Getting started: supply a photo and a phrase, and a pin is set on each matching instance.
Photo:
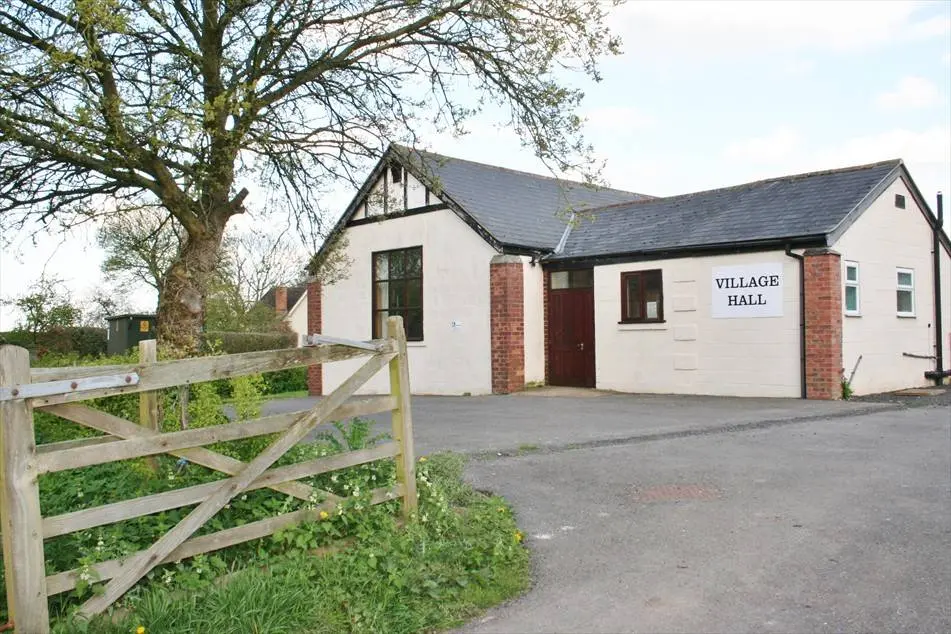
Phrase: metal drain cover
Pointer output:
(675, 492)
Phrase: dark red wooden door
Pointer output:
(571, 337)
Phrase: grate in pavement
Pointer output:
(676, 492)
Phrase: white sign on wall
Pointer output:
(752, 290)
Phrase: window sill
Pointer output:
(415, 344)
(641, 325)
(853, 314)
(906, 316)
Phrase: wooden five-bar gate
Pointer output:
(60, 390)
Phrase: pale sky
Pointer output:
(706, 94)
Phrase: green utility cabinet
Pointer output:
(126, 331)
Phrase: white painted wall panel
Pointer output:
(450, 360)
(534, 321)
(693, 353)
(881, 240)
(296, 318)
(415, 192)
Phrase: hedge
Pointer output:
(81, 340)
(291, 380)
(233, 342)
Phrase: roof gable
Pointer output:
(510, 209)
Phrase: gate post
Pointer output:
(23, 558)
(149, 401)
(402, 416)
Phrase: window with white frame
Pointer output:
(852, 298)
(905, 292)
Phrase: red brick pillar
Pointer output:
(315, 374)
(507, 323)
(280, 299)
(823, 297)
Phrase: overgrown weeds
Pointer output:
(355, 569)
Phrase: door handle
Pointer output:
(581, 346)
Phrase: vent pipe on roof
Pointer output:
(939, 372)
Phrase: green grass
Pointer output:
(460, 555)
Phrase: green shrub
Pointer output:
(283, 381)
(79, 340)
(234, 342)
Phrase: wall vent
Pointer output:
(899, 201)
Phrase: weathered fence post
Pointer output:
(23, 558)
(402, 416)
(149, 401)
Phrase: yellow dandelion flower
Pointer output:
(519, 537)
(324, 515)
(501, 509)
(140, 630)
(422, 458)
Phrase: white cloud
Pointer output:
(926, 153)
(617, 119)
(799, 67)
(911, 92)
(778, 145)
(930, 146)
(710, 28)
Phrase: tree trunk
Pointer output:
(181, 308)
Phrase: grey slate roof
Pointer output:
(788, 207)
(294, 294)
(516, 208)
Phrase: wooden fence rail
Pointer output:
(59, 391)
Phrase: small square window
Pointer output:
(905, 293)
(899, 201)
(852, 306)
(396, 174)
(642, 296)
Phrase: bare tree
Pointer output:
(140, 246)
(185, 104)
(256, 261)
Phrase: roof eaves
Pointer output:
(300, 300)
(762, 244)
(427, 179)
(356, 200)
(930, 215)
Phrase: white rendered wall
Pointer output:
(534, 317)
(693, 353)
(296, 318)
(881, 240)
(454, 357)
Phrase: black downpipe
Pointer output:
(802, 319)
(938, 375)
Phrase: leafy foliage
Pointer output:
(45, 307)
(109, 105)
(354, 571)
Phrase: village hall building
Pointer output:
(783, 287)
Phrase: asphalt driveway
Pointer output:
(831, 525)
(554, 419)
(700, 514)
